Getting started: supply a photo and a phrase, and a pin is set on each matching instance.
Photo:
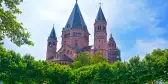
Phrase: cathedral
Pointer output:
(75, 39)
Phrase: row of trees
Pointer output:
(16, 69)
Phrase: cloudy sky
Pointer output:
(138, 26)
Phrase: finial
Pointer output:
(110, 35)
(76, 1)
(53, 25)
(100, 4)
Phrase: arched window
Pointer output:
(49, 44)
(64, 50)
(64, 42)
(104, 28)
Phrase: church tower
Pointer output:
(100, 34)
(113, 51)
(75, 30)
(51, 46)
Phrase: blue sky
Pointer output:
(138, 26)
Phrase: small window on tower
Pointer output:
(99, 46)
(49, 44)
(53, 43)
(113, 45)
(64, 50)
(64, 42)
(104, 28)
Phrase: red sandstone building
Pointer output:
(75, 39)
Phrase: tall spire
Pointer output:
(75, 20)
(100, 15)
(52, 35)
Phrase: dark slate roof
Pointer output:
(87, 48)
(100, 15)
(65, 58)
(52, 35)
(75, 20)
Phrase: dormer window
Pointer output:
(68, 25)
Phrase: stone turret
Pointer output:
(51, 45)
(113, 51)
(100, 33)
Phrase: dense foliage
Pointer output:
(15, 69)
(9, 26)
(84, 59)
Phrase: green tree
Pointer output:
(97, 58)
(83, 57)
(17, 69)
(9, 26)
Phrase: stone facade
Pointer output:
(75, 39)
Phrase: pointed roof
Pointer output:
(52, 35)
(100, 15)
(75, 20)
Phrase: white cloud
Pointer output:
(143, 47)
(122, 15)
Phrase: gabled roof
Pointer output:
(65, 58)
(52, 35)
(100, 15)
(75, 20)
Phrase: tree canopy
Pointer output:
(9, 26)
(16, 69)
